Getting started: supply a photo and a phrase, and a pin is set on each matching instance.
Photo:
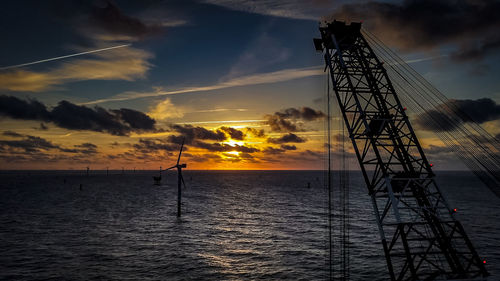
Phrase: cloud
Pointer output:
(286, 120)
(279, 124)
(42, 127)
(76, 117)
(436, 150)
(288, 147)
(438, 119)
(84, 148)
(290, 137)
(165, 110)
(119, 64)
(304, 113)
(135, 119)
(200, 158)
(235, 134)
(255, 79)
(426, 24)
(154, 145)
(103, 25)
(296, 9)
(258, 133)
(23, 109)
(12, 134)
(28, 144)
(218, 147)
(197, 137)
(273, 151)
(191, 133)
(111, 24)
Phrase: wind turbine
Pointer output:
(180, 179)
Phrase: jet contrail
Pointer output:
(63, 57)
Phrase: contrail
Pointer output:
(63, 57)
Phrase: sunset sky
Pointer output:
(239, 80)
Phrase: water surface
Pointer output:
(236, 225)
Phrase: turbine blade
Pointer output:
(171, 168)
(180, 152)
(182, 179)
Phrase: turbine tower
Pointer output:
(180, 179)
(420, 236)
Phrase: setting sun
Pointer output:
(232, 142)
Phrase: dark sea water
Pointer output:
(236, 225)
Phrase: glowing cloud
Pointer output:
(165, 110)
(121, 64)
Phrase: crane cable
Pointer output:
(472, 144)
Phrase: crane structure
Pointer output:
(420, 237)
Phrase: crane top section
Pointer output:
(345, 35)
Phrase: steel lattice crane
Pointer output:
(420, 236)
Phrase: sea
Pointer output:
(235, 225)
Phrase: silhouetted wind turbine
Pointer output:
(180, 179)
(157, 180)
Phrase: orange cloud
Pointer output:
(120, 64)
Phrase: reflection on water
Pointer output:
(235, 226)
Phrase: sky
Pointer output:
(121, 83)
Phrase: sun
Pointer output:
(232, 142)
(235, 153)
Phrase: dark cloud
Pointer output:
(178, 139)
(204, 157)
(279, 124)
(84, 148)
(286, 120)
(191, 133)
(246, 156)
(135, 119)
(218, 147)
(304, 113)
(472, 25)
(478, 50)
(273, 150)
(340, 138)
(28, 144)
(288, 147)
(307, 155)
(154, 145)
(255, 132)
(290, 137)
(87, 145)
(77, 117)
(438, 119)
(33, 144)
(235, 134)
(23, 109)
(110, 19)
(43, 127)
(439, 150)
(12, 134)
